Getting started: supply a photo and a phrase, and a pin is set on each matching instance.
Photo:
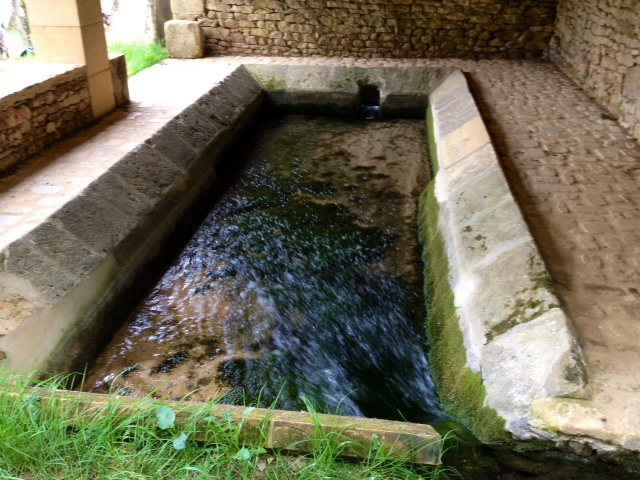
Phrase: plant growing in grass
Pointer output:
(44, 434)
(138, 54)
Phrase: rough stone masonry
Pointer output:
(374, 28)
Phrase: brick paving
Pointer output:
(575, 174)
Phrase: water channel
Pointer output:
(304, 281)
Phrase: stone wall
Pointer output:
(47, 109)
(42, 113)
(375, 28)
(597, 44)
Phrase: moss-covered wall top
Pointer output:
(378, 28)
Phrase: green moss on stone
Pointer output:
(270, 82)
(461, 390)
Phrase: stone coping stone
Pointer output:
(67, 279)
(23, 81)
(335, 90)
(515, 335)
(274, 429)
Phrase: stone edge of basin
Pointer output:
(515, 334)
(103, 239)
(335, 90)
(274, 429)
(63, 282)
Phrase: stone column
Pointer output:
(71, 31)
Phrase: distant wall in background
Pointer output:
(597, 44)
(375, 28)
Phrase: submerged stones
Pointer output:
(304, 278)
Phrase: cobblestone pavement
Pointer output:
(575, 174)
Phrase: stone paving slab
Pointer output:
(575, 175)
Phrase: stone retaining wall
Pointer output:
(66, 280)
(336, 90)
(597, 44)
(374, 28)
(43, 112)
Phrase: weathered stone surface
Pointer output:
(538, 359)
(507, 313)
(336, 90)
(597, 43)
(13, 310)
(56, 244)
(195, 129)
(45, 278)
(572, 417)
(44, 112)
(144, 171)
(187, 9)
(173, 148)
(397, 28)
(184, 39)
(95, 223)
(122, 195)
(82, 264)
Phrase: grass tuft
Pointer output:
(139, 54)
(45, 435)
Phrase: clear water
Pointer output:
(304, 281)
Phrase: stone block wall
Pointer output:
(597, 44)
(44, 111)
(41, 114)
(378, 28)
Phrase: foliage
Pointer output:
(47, 436)
(139, 54)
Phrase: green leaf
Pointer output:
(166, 417)
(243, 454)
(248, 411)
(180, 441)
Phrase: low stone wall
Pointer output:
(65, 281)
(49, 109)
(504, 321)
(381, 28)
(597, 44)
(337, 90)
(42, 113)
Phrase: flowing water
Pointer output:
(304, 281)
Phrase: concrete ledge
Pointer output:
(72, 275)
(335, 90)
(515, 335)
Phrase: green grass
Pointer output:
(139, 54)
(47, 436)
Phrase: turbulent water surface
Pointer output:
(303, 282)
